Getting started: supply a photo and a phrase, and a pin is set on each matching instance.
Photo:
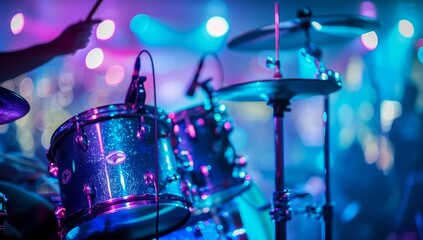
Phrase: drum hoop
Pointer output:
(82, 216)
(106, 112)
(195, 111)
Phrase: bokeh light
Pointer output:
(370, 40)
(94, 58)
(114, 75)
(390, 110)
(406, 28)
(420, 54)
(17, 23)
(217, 26)
(368, 9)
(105, 29)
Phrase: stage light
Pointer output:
(105, 29)
(17, 23)
(370, 40)
(139, 23)
(351, 211)
(390, 110)
(420, 54)
(94, 58)
(406, 28)
(217, 26)
(114, 75)
(368, 9)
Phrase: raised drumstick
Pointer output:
(93, 10)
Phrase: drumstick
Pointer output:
(93, 10)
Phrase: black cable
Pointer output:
(194, 84)
(222, 78)
(156, 180)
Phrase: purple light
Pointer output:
(368, 9)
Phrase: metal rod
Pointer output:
(328, 207)
(277, 73)
(281, 212)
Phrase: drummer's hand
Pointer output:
(74, 37)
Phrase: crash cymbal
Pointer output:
(12, 106)
(277, 89)
(323, 30)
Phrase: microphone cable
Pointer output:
(194, 84)
(156, 148)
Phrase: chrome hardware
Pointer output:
(81, 139)
(90, 194)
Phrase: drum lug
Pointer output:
(81, 139)
(53, 169)
(186, 161)
(149, 178)
(90, 194)
(144, 130)
(60, 213)
(190, 129)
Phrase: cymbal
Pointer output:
(277, 89)
(12, 106)
(326, 29)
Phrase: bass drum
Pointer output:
(107, 160)
(241, 218)
(212, 167)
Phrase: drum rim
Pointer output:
(83, 216)
(194, 111)
(106, 112)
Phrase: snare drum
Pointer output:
(105, 160)
(216, 172)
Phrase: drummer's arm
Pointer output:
(73, 38)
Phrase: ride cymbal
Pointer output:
(277, 89)
(295, 33)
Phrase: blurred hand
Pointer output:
(74, 37)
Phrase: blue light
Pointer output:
(420, 54)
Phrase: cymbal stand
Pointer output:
(323, 74)
(281, 212)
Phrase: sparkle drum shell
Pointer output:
(106, 168)
(217, 173)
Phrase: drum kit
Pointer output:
(133, 171)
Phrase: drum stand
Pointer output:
(281, 212)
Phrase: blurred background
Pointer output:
(375, 118)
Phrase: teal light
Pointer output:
(150, 31)
(139, 23)
(420, 54)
